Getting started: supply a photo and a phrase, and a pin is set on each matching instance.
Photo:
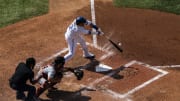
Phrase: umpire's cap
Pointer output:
(30, 61)
(80, 20)
(59, 59)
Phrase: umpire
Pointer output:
(23, 73)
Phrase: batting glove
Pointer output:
(94, 32)
(100, 32)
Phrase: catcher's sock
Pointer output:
(40, 91)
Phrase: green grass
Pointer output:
(171, 6)
(12, 11)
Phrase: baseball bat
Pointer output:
(114, 44)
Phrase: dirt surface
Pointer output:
(148, 36)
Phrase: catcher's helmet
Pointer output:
(80, 19)
(59, 60)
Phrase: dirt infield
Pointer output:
(147, 37)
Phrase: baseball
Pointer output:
(120, 44)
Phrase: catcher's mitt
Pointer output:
(78, 73)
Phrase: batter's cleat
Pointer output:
(89, 56)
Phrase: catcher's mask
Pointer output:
(59, 60)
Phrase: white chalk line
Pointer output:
(112, 93)
(109, 54)
(66, 49)
(118, 95)
(125, 95)
(168, 66)
(93, 17)
(152, 67)
(110, 74)
(94, 21)
(38, 65)
(115, 94)
(144, 84)
(163, 73)
(106, 55)
(103, 57)
(100, 48)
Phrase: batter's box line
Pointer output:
(99, 48)
(125, 95)
(108, 53)
(38, 65)
(64, 50)
(168, 66)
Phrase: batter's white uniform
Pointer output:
(73, 36)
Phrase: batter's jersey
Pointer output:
(74, 31)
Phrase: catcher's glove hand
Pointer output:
(78, 73)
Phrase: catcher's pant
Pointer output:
(42, 81)
(72, 43)
(40, 90)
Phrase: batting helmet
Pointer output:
(80, 19)
(59, 60)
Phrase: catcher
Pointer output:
(52, 74)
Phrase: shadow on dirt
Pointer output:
(60, 95)
(114, 73)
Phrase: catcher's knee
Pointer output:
(46, 85)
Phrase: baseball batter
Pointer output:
(74, 33)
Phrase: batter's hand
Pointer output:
(100, 32)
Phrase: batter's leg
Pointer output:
(72, 49)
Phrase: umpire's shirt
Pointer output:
(21, 75)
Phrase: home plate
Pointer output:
(102, 68)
